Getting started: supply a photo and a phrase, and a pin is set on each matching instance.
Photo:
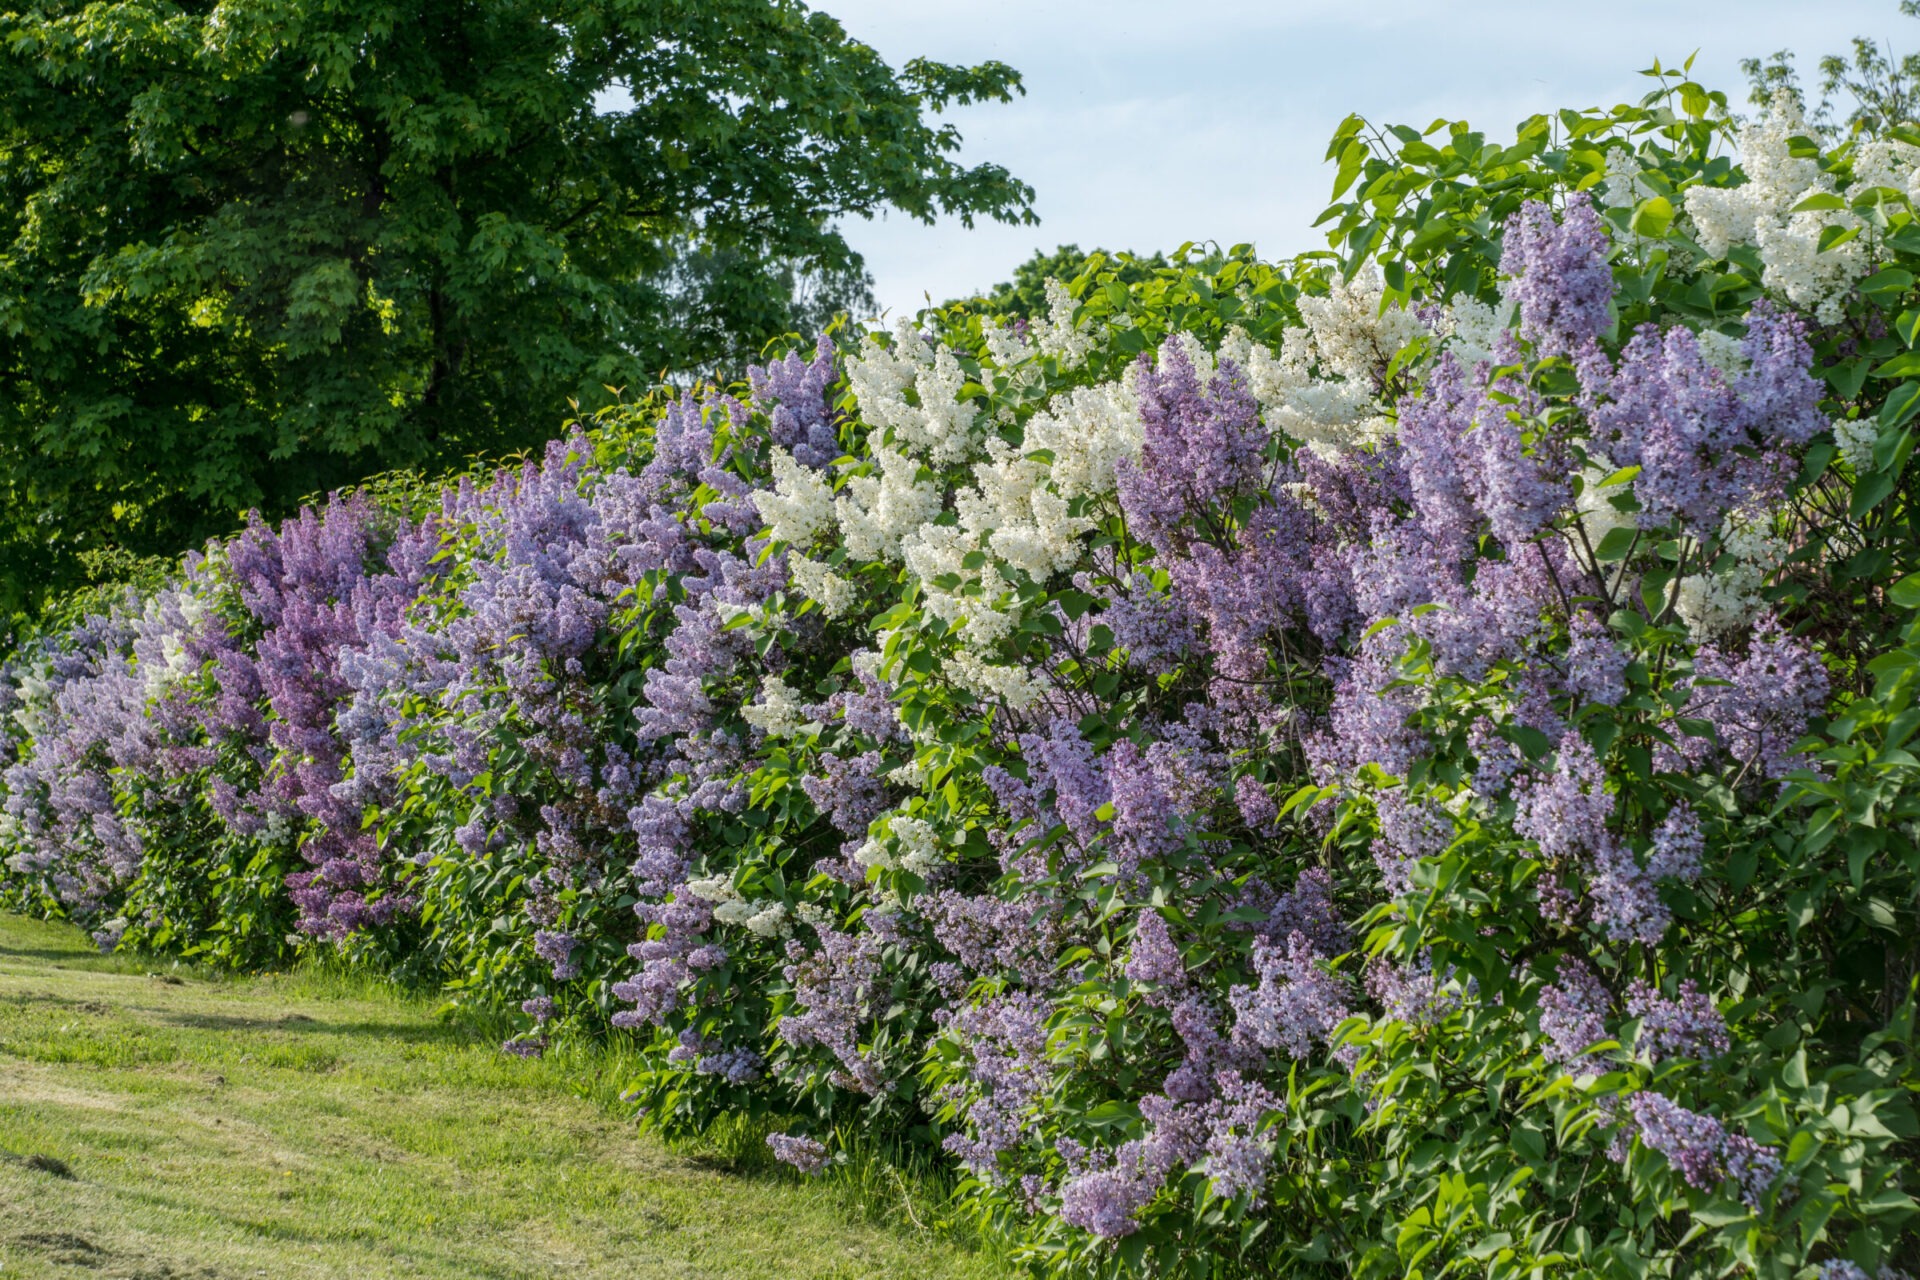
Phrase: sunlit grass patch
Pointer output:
(321, 1124)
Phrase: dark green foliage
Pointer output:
(253, 252)
(1024, 296)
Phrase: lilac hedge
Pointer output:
(1392, 763)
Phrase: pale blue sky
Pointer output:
(1150, 122)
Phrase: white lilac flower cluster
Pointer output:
(780, 711)
(1625, 186)
(1323, 388)
(1014, 519)
(814, 580)
(1058, 337)
(1730, 595)
(1009, 517)
(1855, 438)
(768, 919)
(799, 507)
(172, 614)
(940, 426)
(878, 512)
(1086, 432)
(1766, 211)
(909, 843)
(1467, 327)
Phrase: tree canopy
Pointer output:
(253, 250)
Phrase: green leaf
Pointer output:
(1892, 280)
(1722, 1213)
(1349, 128)
(1353, 157)
(1794, 1073)
(1901, 404)
(1833, 237)
(1905, 593)
(1436, 232)
(1888, 1200)
(1869, 491)
(1904, 365)
(1652, 216)
(1818, 202)
(1615, 545)
(1653, 592)
(1890, 451)
(1819, 455)
(1846, 379)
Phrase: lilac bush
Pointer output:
(1372, 766)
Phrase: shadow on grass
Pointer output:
(51, 954)
(87, 960)
(27, 999)
(299, 1024)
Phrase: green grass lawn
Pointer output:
(163, 1125)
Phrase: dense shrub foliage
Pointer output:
(1389, 764)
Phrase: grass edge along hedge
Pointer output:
(1392, 763)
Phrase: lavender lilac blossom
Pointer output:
(805, 1154)
(1562, 280)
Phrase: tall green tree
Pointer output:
(254, 249)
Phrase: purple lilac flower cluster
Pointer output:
(1561, 279)
(1573, 1012)
(1683, 1026)
(1701, 1150)
(806, 1154)
(1007, 1040)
